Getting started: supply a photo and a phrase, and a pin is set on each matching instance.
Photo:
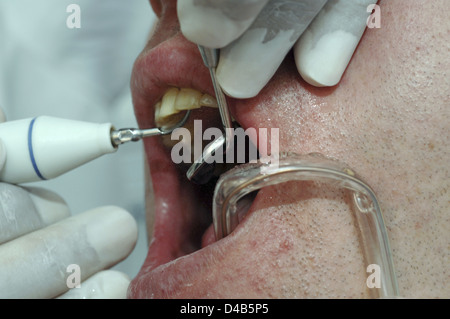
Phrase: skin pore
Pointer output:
(388, 119)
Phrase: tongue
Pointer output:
(208, 237)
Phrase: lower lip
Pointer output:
(189, 276)
(199, 274)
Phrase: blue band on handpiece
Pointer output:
(30, 149)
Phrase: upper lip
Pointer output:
(174, 62)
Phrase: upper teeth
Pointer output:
(176, 100)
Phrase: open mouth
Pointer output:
(168, 80)
(197, 214)
(183, 148)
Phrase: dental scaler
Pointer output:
(45, 147)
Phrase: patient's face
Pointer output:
(388, 119)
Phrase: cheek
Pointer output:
(299, 241)
(307, 117)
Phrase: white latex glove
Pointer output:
(256, 35)
(39, 242)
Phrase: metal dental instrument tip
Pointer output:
(125, 135)
(211, 59)
(201, 171)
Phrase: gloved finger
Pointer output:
(38, 265)
(247, 64)
(2, 154)
(324, 51)
(215, 24)
(23, 210)
(107, 284)
(2, 116)
(2, 147)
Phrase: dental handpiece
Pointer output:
(46, 147)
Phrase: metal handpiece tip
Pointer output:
(125, 135)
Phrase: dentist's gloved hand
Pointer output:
(256, 35)
(40, 244)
